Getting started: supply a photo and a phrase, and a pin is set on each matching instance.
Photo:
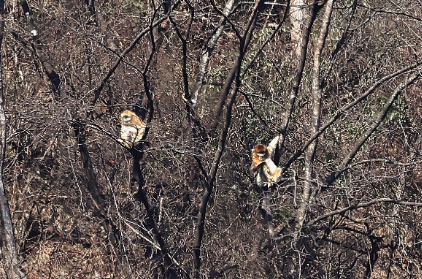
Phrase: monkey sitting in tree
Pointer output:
(263, 166)
(132, 129)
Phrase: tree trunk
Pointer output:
(299, 13)
(9, 251)
(316, 95)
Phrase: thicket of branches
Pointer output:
(338, 81)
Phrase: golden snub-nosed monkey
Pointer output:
(262, 165)
(132, 130)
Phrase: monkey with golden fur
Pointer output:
(262, 165)
(132, 128)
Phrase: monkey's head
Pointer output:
(261, 151)
(126, 116)
(259, 154)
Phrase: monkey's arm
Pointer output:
(273, 145)
(271, 166)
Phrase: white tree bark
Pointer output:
(316, 114)
(203, 66)
(299, 13)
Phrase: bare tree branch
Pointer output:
(207, 52)
(299, 72)
(341, 111)
(8, 244)
(184, 40)
(371, 130)
(97, 90)
(138, 154)
(36, 47)
(268, 40)
(391, 12)
(210, 185)
(316, 114)
(222, 143)
(246, 38)
(360, 205)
